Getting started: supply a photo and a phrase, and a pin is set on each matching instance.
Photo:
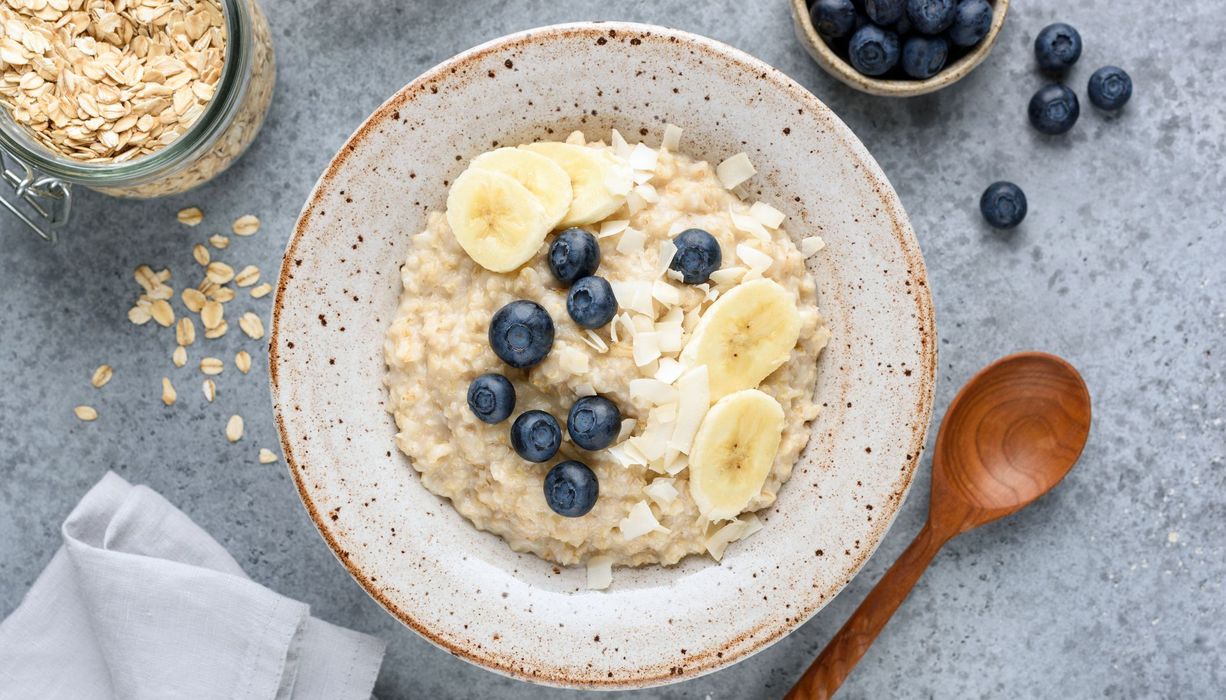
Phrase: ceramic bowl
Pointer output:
(836, 66)
(465, 590)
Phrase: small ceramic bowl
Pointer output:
(465, 590)
(836, 66)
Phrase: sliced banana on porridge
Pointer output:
(496, 220)
(544, 178)
(744, 336)
(600, 179)
(733, 452)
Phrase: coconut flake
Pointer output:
(653, 443)
(642, 177)
(721, 538)
(674, 275)
(584, 389)
(646, 348)
(670, 335)
(748, 224)
(752, 525)
(648, 193)
(619, 178)
(672, 137)
(811, 245)
(661, 491)
(695, 391)
(757, 261)
(612, 227)
(668, 250)
(675, 462)
(666, 413)
(767, 215)
(593, 339)
(627, 428)
(635, 203)
(653, 391)
(634, 295)
(576, 138)
(735, 170)
(643, 324)
(643, 157)
(728, 276)
(599, 572)
(639, 522)
(665, 293)
(670, 371)
(631, 242)
(620, 147)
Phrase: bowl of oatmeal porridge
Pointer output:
(589, 331)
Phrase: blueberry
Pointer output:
(591, 302)
(931, 16)
(535, 435)
(972, 20)
(873, 50)
(593, 422)
(903, 26)
(1054, 109)
(884, 12)
(1057, 47)
(491, 397)
(571, 489)
(697, 256)
(521, 333)
(833, 18)
(1110, 88)
(574, 253)
(1003, 204)
(924, 56)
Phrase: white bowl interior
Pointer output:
(466, 590)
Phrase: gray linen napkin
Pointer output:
(142, 603)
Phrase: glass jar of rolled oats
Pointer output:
(132, 98)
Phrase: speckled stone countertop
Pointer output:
(1109, 587)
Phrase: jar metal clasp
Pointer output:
(49, 198)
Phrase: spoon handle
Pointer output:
(840, 656)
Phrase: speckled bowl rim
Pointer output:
(833, 64)
(900, 228)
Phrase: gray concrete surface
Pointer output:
(1111, 587)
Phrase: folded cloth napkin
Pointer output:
(141, 603)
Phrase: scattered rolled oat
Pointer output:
(261, 291)
(217, 331)
(146, 278)
(222, 294)
(247, 276)
(219, 241)
(185, 331)
(162, 313)
(251, 325)
(193, 299)
(168, 392)
(267, 456)
(210, 390)
(245, 225)
(211, 314)
(212, 366)
(242, 361)
(191, 216)
(102, 375)
(234, 428)
(139, 315)
(179, 357)
(85, 413)
(201, 254)
(219, 273)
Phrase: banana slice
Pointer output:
(543, 177)
(744, 336)
(733, 452)
(498, 222)
(600, 180)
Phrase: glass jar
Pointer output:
(43, 179)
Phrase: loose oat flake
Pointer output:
(193, 299)
(102, 375)
(217, 331)
(222, 294)
(251, 325)
(168, 392)
(139, 315)
(185, 331)
(179, 356)
(85, 413)
(210, 390)
(247, 276)
(245, 225)
(234, 428)
(191, 216)
(201, 254)
(220, 273)
(162, 313)
(261, 291)
(212, 366)
(267, 456)
(219, 241)
(211, 314)
(242, 361)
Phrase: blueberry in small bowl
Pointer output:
(573, 254)
(535, 436)
(1003, 205)
(491, 398)
(521, 333)
(1054, 109)
(1110, 88)
(833, 18)
(698, 255)
(571, 489)
(931, 16)
(591, 303)
(873, 50)
(1057, 47)
(885, 12)
(924, 56)
(593, 422)
(972, 22)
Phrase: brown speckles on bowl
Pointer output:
(466, 591)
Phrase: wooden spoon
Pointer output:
(1009, 436)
